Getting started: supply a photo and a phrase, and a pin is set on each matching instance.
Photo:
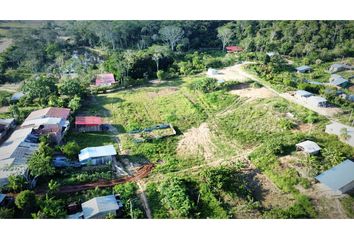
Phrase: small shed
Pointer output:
(106, 79)
(309, 147)
(97, 155)
(303, 94)
(271, 54)
(314, 82)
(100, 207)
(303, 69)
(340, 178)
(337, 128)
(17, 96)
(338, 81)
(212, 72)
(88, 123)
(231, 49)
(317, 101)
(338, 67)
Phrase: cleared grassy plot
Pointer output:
(90, 139)
(142, 108)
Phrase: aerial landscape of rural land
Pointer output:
(162, 119)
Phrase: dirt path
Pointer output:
(140, 173)
(232, 73)
(326, 112)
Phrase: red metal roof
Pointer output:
(234, 48)
(88, 120)
(103, 79)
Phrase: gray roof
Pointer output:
(6, 121)
(314, 82)
(309, 146)
(15, 153)
(99, 205)
(315, 100)
(338, 176)
(336, 67)
(303, 93)
(336, 127)
(303, 68)
(337, 80)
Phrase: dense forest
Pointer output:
(137, 49)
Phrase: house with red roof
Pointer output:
(88, 123)
(106, 79)
(231, 49)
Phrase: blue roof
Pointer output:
(92, 152)
(338, 176)
(2, 197)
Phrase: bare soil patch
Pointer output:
(162, 92)
(197, 141)
(232, 73)
(5, 43)
(253, 93)
(304, 127)
(325, 201)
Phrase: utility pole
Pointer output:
(131, 209)
(350, 117)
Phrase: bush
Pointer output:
(162, 75)
(71, 149)
(205, 85)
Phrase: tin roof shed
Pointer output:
(339, 178)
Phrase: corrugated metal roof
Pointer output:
(316, 100)
(336, 128)
(303, 93)
(92, 152)
(303, 68)
(309, 146)
(338, 176)
(88, 120)
(15, 153)
(53, 112)
(337, 80)
(44, 121)
(105, 78)
(99, 205)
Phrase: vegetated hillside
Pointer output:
(44, 47)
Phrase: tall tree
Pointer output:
(172, 35)
(224, 34)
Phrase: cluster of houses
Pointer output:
(340, 178)
(24, 140)
(335, 80)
